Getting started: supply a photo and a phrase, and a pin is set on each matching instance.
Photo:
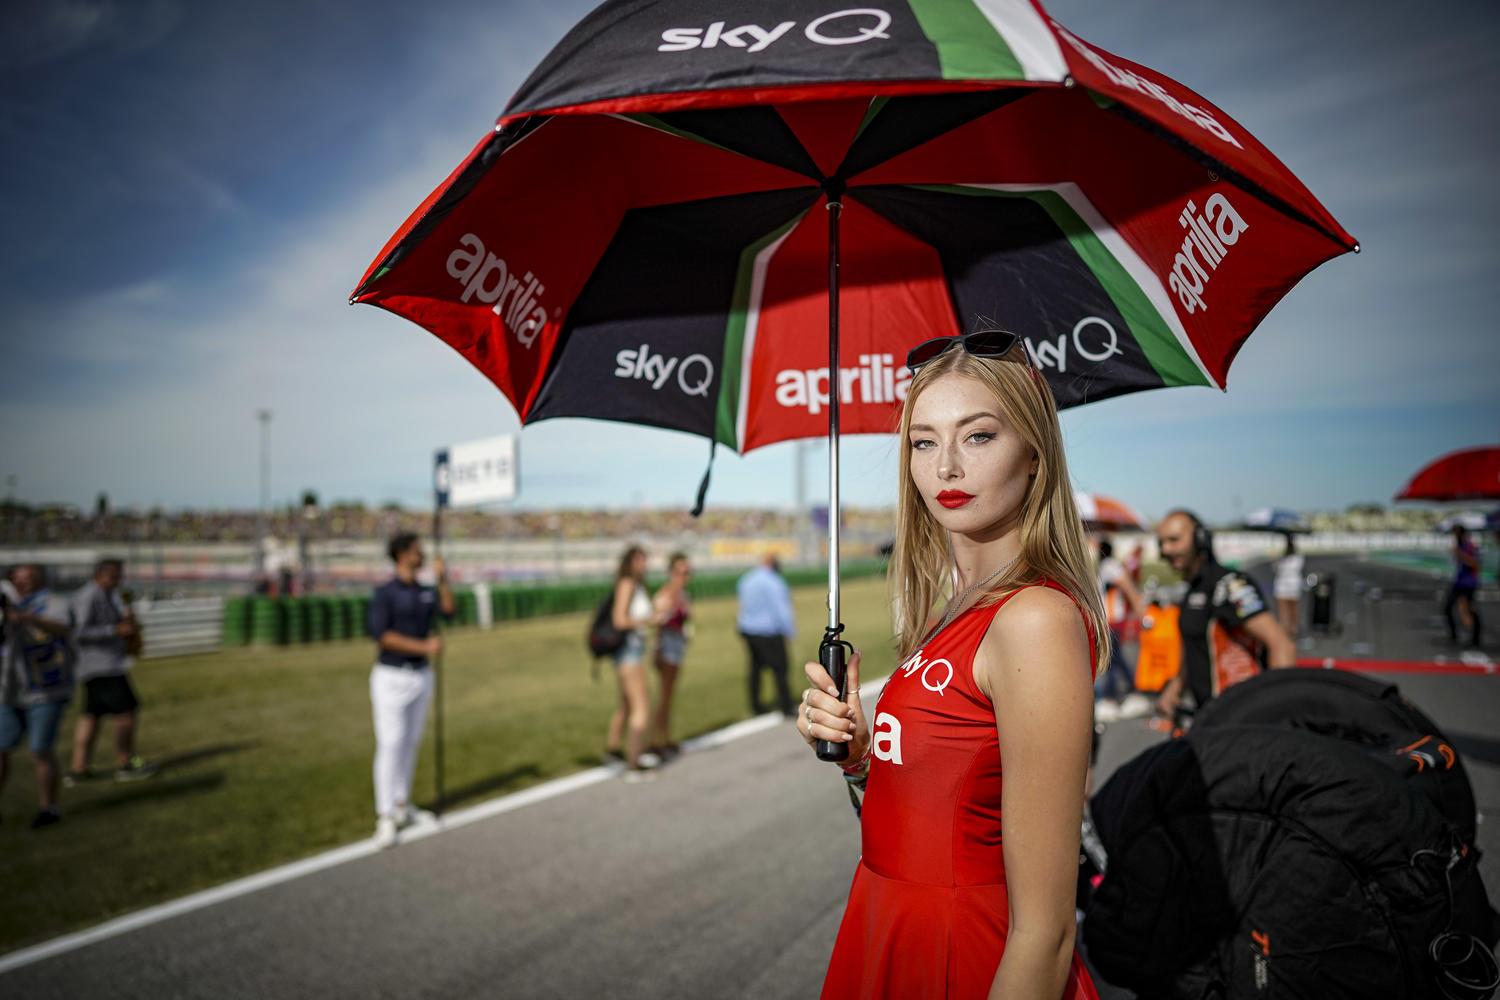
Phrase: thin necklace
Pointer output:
(952, 611)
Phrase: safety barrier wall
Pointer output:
(283, 621)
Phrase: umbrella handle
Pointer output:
(834, 654)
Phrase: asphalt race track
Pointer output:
(725, 878)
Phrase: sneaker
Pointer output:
(1106, 711)
(46, 817)
(1136, 706)
(413, 816)
(385, 832)
(78, 777)
(613, 759)
(647, 759)
(639, 775)
(135, 770)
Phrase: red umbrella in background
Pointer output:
(1102, 513)
(1471, 474)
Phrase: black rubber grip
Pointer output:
(831, 654)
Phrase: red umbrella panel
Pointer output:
(1471, 474)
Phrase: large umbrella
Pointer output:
(1471, 474)
(1102, 513)
(642, 237)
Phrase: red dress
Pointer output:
(927, 914)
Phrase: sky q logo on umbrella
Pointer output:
(1209, 237)
(695, 373)
(842, 27)
(1094, 340)
(488, 278)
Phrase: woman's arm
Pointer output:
(1034, 665)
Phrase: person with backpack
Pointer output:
(631, 612)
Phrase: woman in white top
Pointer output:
(632, 614)
(1288, 588)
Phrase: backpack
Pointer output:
(1312, 836)
(603, 639)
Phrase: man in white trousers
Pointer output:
(403, 613)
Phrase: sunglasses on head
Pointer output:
(992, 343)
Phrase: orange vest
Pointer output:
(1161, 649)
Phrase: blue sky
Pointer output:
(191, 189)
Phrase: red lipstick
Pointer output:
(954, 499)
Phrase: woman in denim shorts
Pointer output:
(674, 608)
(632, 614)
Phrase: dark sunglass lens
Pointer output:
(926, 351)
(990, 343)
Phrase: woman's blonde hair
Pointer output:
(1051, 530)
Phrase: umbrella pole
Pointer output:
(833, 650)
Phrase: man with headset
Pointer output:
(1228, 631)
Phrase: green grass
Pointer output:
(266, 754)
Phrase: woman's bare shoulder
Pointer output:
(1035, 628)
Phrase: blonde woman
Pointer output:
(632, 614)
(1001, 631)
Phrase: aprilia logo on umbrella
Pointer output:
(695, 373)
(1209, 237)
(842, 27)
(875, 381)
(488, 278)
(1122, 77)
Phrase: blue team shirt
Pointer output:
(408, 609)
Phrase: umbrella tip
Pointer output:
(1069, 82)
(1356, 248)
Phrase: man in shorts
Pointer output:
(1228, 632)
(102, 625)
(36, 682)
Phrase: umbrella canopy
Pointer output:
(1102, 513)
(1472, 474)
(643, 237)
(1276, 519)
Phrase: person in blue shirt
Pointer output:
(1465, 585)
(403, 614)
(766, 623)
